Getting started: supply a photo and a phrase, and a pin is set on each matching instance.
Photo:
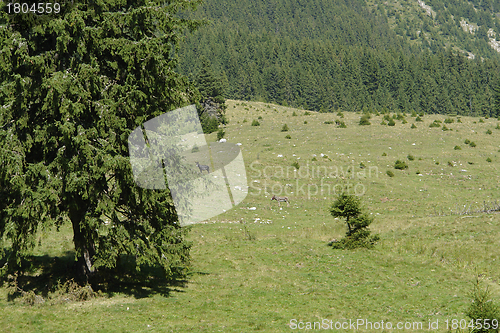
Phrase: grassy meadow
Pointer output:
(259, 266)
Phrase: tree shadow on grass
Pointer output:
(53, 278)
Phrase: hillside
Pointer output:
(259, 266)
(326, 55)
(471, 27)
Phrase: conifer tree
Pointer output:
(73, 87)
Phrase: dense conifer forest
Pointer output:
(343, 54)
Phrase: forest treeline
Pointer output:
(325, 56)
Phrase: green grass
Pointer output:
(255, 270)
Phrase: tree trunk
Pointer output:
(84, 245)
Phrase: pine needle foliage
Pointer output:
(73, 86)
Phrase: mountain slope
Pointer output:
(326, 55)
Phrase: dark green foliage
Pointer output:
(413, 126)
(307, 113)
(489, 132)
(364, 120)
(467, 141)
(195, 149)
(255, 122)
(488, 160)
(294, 114)
(341, 124)
(481, 120)
(418, 119)
(450, 163)
(220, 134)
(384, 154)
(348, 207)
(314, 159)
(472, 144)
(284, 128)
(482, 307)
(362, 165)
(410, 157)
(296, 165)
(72, 88)
(383, 123)
(400, 165)
(390, 173)
(288, 136)
(498, 126)
(305, 122)
(434, 124)
(259, 118)
(212, 90)
(457, 148)
(448, 121)
(391, 122)
(445, 128)
(209, 124)
(340, 114)
(329, 122)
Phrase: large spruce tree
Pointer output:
(73, 85)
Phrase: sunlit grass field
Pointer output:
(259, 266)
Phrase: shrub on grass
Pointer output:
(400, 165)
(259, 117)
(413, 126)
(445, 128)
(244, 121)
(383, 123)
(314, 159)
(482, 307)
(384, 154)
(472, 144)
(481, 120)
(489, 132)
(448, 121)
(307, 113)
(391, 122)
(305, 122)
(329, 122)
(296, 165)
(418, 119)
(220, 134)
(390, 173)
(294, 114)
(363, 121)
(434, 124)
(467, 141)
(488, 160)
(340, 114)
(284, 128)
(255, 123)
(288, 136)
(457, 148)
(348, 207)
(450, 163)
(410, 157)
(342, 125)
